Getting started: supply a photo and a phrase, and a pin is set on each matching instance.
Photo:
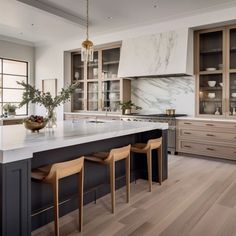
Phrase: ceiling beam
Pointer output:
(55, 11)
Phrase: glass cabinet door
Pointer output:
(211, 94)
(78, 68)
(92, 96)
(232, 74)
(110, 63)
(211, 73)
(111, 95)
(78, 98)
(211, 51)
(92, 68)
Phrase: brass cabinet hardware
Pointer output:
(209, 125)
(210, 149)
(187, 146)
(210, 135)
(187, 133)
(187, 123)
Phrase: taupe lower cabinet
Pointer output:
(207, 138)
(100, 89)
(215, 70)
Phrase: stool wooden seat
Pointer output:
(52, 174)
(110, 158)
(147, 148)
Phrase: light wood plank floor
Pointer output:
(198, 199)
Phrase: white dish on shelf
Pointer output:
(233, 95)
(211, 95)
(212, 83)
(211, 69)
(221, 84)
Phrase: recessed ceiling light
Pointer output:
(109, 17)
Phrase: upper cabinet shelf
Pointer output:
(215, 69)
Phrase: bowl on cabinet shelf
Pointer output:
(233, 95)
(211, 69)
(211, 95)
(211, 83)
(221, 84)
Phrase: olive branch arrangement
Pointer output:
(33, 95)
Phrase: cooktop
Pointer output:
(159, 115)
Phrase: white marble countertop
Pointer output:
(14, 118)
(206, 119)
(17, 143)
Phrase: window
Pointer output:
(10, 92)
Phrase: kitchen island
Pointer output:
(26, 204)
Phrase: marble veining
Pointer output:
(156, 54)
(155, 95)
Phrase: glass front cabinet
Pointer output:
(100, 89)
(215, 70)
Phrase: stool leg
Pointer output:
(127, 178)
(160, 164)
(112, 184)
(56, 206)
(149, 167)
(81, 191)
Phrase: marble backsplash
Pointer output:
(155, 95)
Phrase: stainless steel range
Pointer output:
(171, 120)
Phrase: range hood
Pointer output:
(164, 54)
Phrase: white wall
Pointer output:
(49, 59)
(22, 52)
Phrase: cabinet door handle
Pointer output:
(209, 125)
(210, 149)
(190, 133)
(210, 135)
(187, 123)
(187, 146)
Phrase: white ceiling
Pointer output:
(21, 21)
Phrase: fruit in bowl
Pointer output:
(35, 123)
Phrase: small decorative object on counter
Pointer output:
(35, 123)
(217, 111)
(234, 111)
(170, 112)
(33, 95)
(9, 109)
(128, 106)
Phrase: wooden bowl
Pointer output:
(34, 126)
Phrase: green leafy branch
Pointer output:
(33, 95)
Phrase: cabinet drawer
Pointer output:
(198, 148)
(207, 135)
(211, 125)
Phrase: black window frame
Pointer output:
(1, 79)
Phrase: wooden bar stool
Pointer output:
(52, 174)
(147, 148)
(110, 158)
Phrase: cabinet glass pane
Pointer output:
(78, 97)
(211, 55)
(10, 81)
(110, 63)
(92, 96)
(232, 94)
(111, 95)
(233, 49)
(78, 68)
(93, 67)
(210, 94)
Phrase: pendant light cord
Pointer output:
(87, 19)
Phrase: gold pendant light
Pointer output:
(87, 45)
